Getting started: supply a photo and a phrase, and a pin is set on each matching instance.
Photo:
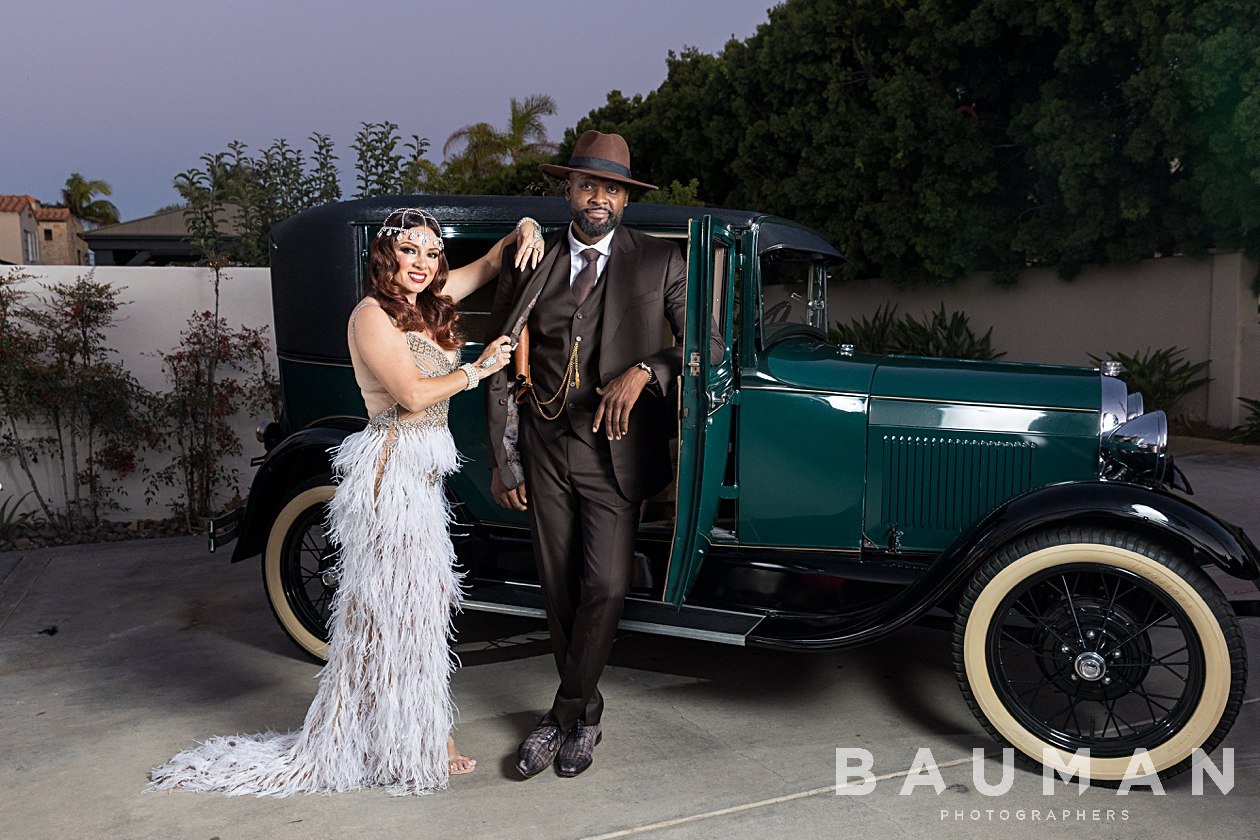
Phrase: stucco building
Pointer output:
(31, 234)
(59, 240)
(19, 230)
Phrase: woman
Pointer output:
(382, 715)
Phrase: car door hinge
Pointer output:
(693, 364)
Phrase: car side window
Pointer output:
(790, 295)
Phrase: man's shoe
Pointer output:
(578, 750)
(538, 750)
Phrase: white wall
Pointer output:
(156, 303)
(1204, 306)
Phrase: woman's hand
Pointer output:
(529, 244)
(495, 357)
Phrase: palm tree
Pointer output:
(485, 147)
(483, 152)
(78, 196)
(526, 134)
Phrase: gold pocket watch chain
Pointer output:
(571, 379)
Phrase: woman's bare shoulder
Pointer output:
(369, 312)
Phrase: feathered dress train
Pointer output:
(383, 708)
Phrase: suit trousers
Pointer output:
(583, 533)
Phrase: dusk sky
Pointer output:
(135, 92)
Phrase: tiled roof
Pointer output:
(15, 203)
(52, 214)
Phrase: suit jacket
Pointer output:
(646, 281)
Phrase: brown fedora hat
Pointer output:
(602, 155)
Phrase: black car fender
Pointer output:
(296, 461)
(1153, 513)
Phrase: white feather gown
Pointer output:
(383, 709)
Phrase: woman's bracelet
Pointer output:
(473, 376)
(537, 227)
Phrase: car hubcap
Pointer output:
(1090, 666)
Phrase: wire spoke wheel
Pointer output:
(1098, 658)
(299, 568)
(306, 571)
(1093, 639)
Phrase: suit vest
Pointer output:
(555, 325)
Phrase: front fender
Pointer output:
(1155, 513)
(297, 460)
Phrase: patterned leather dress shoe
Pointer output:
(538, 750)
(578, 750)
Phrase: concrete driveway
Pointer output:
(115, 656)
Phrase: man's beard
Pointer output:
(600, 229)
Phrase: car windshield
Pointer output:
(793, 294)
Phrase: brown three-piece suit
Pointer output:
(585, 491)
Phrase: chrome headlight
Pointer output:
(1115, 405)
(1138, 449)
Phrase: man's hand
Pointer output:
(513, 499)
(618, 399)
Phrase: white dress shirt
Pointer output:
(577, 261)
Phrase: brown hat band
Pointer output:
(601, 164)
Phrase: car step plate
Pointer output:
(701, 623)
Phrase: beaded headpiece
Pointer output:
(425, 237)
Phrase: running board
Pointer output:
(701, 623)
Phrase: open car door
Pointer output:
(707, 397)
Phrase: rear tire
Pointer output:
(1094, 638)
(296, 563)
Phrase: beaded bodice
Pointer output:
(430, 360)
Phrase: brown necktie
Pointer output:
(585, 280)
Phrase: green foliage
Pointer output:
(10, 518)
(383, 169)
(1249, 431)
(484, 149)
(194, 416)
(686, 195)
(874, 335)
(929, 139)
(80, 409)
(1163, 376)
(521, 178)
(253, 192)
(937, 334)
(79, 196)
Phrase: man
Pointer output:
(593, 428)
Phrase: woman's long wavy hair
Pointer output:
(433, 311)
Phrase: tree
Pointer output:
(486, 148)
(936, 137)
(263, 189)
(526, 136)
(79, 195)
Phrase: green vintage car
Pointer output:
(823, 497)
